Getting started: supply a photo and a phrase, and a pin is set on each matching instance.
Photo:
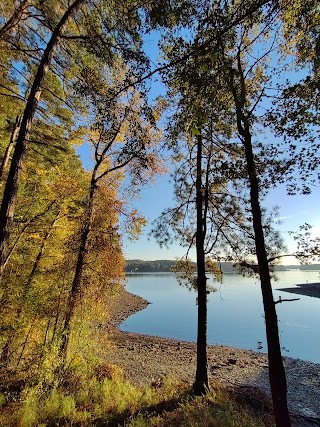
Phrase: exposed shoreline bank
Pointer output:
(306, 289)
(146, 358)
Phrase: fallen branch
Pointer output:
(286, 300)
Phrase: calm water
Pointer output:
(235, 313)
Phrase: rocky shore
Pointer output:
(146, 358)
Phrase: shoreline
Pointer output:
(306, 289)
(145, 359)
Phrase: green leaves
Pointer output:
(194, 131)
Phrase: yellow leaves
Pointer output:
(137, 222)
(39, 171)
(77, 137)
(157, 115)
(194, 131)
(214, 268)
(121, 137)
(93, 135)
(35, 236)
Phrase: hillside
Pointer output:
(165, 266)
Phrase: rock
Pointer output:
(214, 367)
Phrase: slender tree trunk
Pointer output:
(46, 335)
(39, 255)
(10, 146)
(15, 18)
(76, 283)
(277, 376)
(5, 352)
(4, 358)
(56, 320)
(11, 187)
(201, 384)
(25, 343)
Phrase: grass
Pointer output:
(104, 398)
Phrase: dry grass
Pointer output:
(103, 398)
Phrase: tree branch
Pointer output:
(280, 300)
(206, 45)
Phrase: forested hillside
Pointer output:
(166, 266)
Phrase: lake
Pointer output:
(235, 312)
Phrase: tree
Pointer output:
(11, 188)
(242, 97)
(13, 21)
(39, 258)
(294, 115)
(48, 211)
(124, 137)
(207, 211)
(277, 375)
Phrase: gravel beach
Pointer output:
(146, 358)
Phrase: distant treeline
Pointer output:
(138, 265)
(166, 265)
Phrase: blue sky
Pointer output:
(293, 210)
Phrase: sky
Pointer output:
(293, 210)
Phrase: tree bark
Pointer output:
(12, 183)
(76, 283)
(10, 146)
(201, 384)
(15, 18)
(277, 376)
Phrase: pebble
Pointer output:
(231, 366)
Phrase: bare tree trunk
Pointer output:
(201, 384)
(56, 320)
(11, 187)
(25, 343)
(46, 334)
(7, 153)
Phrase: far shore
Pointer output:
(145, 359)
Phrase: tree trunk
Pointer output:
(25, 343)
(76, 283)
(11, 187)
(42, 248)
(15, 18)
(4, 358)
(277, 374)
(201, 384)
(25, 227)
(7, 153)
